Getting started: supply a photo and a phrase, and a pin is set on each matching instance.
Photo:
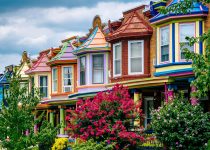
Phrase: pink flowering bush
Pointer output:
(107, 117)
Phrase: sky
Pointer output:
(36, 25)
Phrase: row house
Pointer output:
(141, 51)
(171, 30)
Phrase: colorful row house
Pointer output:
(141, 51)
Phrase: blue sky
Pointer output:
(35, 25)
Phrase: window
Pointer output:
(43, 85)
(164, 44)
(82, 70)
(67, 79)
(135, 57)
(186, 29)
(54, 79)
(98, 69)
(117, 56)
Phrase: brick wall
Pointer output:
(125, 76)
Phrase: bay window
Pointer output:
(117, 56)
(82, 70)
(54, 79)
(135, 57)
(186, 30)
(67, 79)
(43, 85)
(98, 69)
(164, 44)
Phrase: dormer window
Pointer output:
(164, 44)
(117, 56)
(135, 57)
(186, 30)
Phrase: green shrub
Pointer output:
(179, 125)
(92, 145)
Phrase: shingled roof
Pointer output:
(133, 25)
(96, 41)
(41, 64)
(198, 9)
(65, 55)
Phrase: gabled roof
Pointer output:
(4, 77)
(66, 52)
(96, 41)
(40, 65)
(198, 9)
(134, 25)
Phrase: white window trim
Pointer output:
(168, 26)
(72, 79)
(129, 55)
(114, 45)
(44, 86)
(53, 80)
(184, 23)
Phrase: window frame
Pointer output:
(129, 57)
(180, 52)
(44, 86)
(72, 79)
(164, 27)
(101, 69)
(54, 91)
(114, 45)
(84, 70)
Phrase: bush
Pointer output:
(179, 125)
(106, 118)
(91, 145)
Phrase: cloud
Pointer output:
(8, 59)
(35, 29)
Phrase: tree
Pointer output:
(107, 117)
(200, 62)
(18, 117)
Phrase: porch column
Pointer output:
(52, 118)
(35, 125)
(137, 97)
(62, 119)
(193, 99)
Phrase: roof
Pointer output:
(198, 9)
(96, 41)
(40, 65)
(134, 25)
(66, 52)
(4, 77)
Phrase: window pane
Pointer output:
(186, 30)
(164, 35)
(43, 91)
(136, 49)
(55, 74)
(117, 52)
(43, 80)
(165, 53)
(136, 65)
(67, 82)
(82, 70)
(117, 67)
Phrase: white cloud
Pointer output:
(35, 29)
(9, 59)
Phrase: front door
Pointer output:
(148, 107)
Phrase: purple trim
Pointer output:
(105, 67)
(91, 69)
(62, 136)
(166, 93)
(78, 71)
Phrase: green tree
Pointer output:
(200, 62)
(18, 117)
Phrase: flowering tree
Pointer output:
(107, 117)
(180, 125)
